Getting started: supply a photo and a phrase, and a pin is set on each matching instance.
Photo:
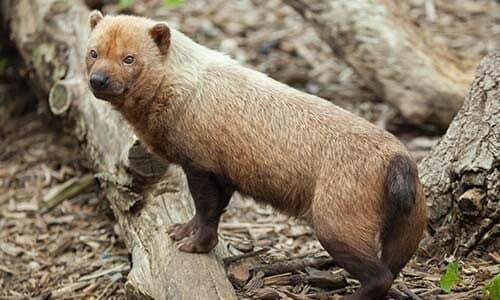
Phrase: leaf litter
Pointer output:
(71, 251)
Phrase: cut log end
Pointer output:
(60, 98)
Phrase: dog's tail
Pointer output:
(405, 218)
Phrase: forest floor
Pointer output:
(72, 250)
(68, 252)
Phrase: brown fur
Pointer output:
(232, 128)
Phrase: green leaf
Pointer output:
(172, 3)
(450, 278)
(125, 3)
(492, 289)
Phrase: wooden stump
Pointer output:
(462, 173)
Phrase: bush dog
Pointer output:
(235, 129)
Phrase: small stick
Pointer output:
(409, 292)
(68, 289)
(105, 290)
(231, 259)
(65, 191)
(292, 265)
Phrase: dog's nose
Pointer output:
(99, 81)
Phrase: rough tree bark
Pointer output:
(462, 173)
(51, 37)
(420, 81)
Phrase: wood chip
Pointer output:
(11, 249)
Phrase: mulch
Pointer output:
(72, 250)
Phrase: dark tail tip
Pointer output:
(401, 185)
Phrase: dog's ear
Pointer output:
(94, 18)
(160, 33)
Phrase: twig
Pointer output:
(7, 270)
(69, 189)
(70, 288)
(118, 268)
(495, 257)
(231, 226)
(430, 10)
(231, 259)
(463, 295)
(431, 292)
(409, 292)
(105, 290)
(326, 280)
(292, 265)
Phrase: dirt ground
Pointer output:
(71, 250)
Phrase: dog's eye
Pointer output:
(93, 54)
(128, 60)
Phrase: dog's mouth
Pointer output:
(112, 93)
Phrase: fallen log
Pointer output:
(422, 82)
(51, 38)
